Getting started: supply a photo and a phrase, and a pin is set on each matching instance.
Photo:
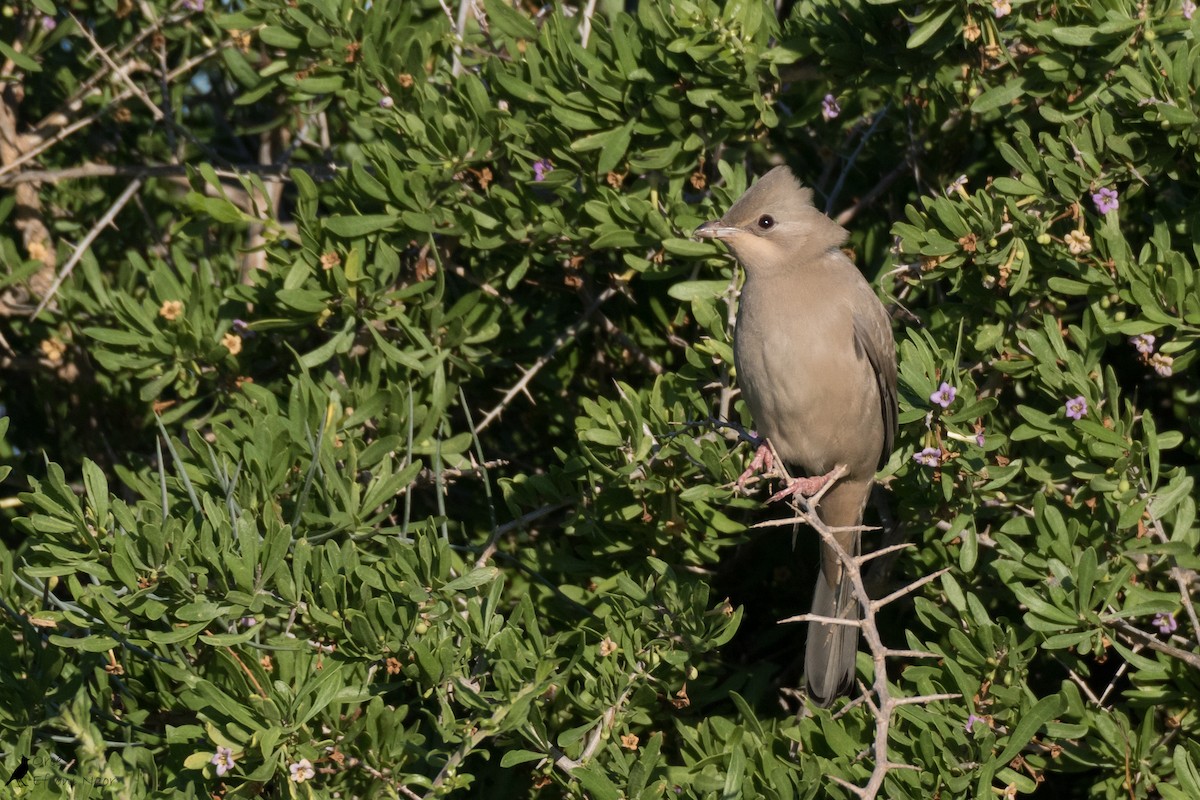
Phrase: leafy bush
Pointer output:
(383, 377)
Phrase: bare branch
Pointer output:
(83, 246)
(561, 341)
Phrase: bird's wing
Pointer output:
(873, 336)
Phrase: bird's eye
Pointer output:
(766, 222)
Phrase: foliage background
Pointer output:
(367, 432)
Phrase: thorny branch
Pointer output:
(879, 698)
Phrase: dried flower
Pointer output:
(1077, 407)
(232, 342)
(629, 741)
(1166, 623)
(607, 647)
(53, 349)
(1163, 364)
(944, 395)
(541, 169)
(223, 760)
(1078, 243)
(330, 260)
(405, 80)
(971, 31)
(1106, 200)
(830, 108)
(302, 771)
(929, 457)
(1144, 342)
(171, 310)
(1001, 8)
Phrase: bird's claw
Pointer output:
(804, 487)
(763, 461)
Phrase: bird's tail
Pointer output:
(829, 656)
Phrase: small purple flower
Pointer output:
(302, 770)
(223, 760)
(929, 457)
(971, 720)
(944, 395)
(386, 102)
(1001, 8)
(1163, 364)
(1106, 200)
(980, 439)
(1077, 407)
(1188, 9)
(958, 185)
(541, 169)
(1166, 623)
(830, 108)
(49, 23)
(1144, 342)
(242, 328)
(194, 5)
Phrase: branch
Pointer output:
(83, 246)
(884, 705)
(562, 340)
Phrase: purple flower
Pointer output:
(979, 439)
(386, 101)
(1077, 407)
(1106, 200)
(971, 720)
(1163, 364)
(958, 185)
(944, 395)
(223, 760)
(242, 328)
(541, 169)
(302, 770)
(1188, 9)
(830, 108)
(1166, 623)
(1001, 8)
(1144, 342)
(929, 457)
(49, 23)
(193, 5)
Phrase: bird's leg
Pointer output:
(806, 487)
(763, 461)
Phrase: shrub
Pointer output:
(363, 381)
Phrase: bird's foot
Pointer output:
(804, 487)
(763, 461)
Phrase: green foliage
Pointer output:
(375, 437)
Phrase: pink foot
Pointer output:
(764, 462)
(806, 487)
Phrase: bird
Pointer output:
(20, 772)
(815, 359)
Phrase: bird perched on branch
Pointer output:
(817, 366)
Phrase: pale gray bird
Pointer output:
(817, 366)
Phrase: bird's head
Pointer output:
(774, 223)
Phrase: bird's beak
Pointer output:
(715, 229)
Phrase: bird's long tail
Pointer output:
(829, 656)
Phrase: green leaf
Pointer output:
(359, 225)
(998, 96)
(1028, 724)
